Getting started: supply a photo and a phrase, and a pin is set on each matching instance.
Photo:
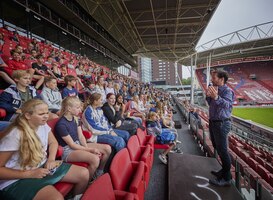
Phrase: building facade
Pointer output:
(166, 71)
(159, 71)
(145, 69)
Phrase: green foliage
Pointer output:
(186, 81)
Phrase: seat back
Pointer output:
(100, 189)
(3, 113)
(264, 173)
(87, 134)
(134, 148)
(121, 170)
(252, 163)
(127, 106)
(52, 123)
(141, 137)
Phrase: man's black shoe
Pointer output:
(220, 182)
(218, 174)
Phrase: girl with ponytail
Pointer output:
(27, 171)
(69, 134)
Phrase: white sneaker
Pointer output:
(163, 159)
(178, 142)
(76, 197)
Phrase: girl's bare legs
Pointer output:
(43, 194)
(78, 176)
(83, 156)
(104, 149)
(168, 150)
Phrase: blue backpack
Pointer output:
(165, 138)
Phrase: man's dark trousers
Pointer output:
(219, 130)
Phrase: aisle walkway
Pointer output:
(158, 186)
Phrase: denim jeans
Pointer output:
(219, 137)
(114, 141)
(122, 133)
(4, 124)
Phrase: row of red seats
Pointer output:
(250, 167)
(46, 49)
(262, 157)
(129, 170)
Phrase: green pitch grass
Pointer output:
(259, 115)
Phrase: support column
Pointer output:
(192, 81)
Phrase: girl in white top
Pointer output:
(26, 170)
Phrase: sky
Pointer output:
(233, 15)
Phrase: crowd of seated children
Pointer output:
(100, 88)
(126, 103)
(69, 135)
(16, 63)
(70, 90)
(40, 68)
(109, 87)
(134, 108)
(125, 114)
(13, 97)
(95, 121)
(90, 87)
(28, 168)
(3, 74)
(112, 112)
(50, 94)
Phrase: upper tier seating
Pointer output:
(259, 89)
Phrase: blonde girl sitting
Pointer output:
(27, 171)
(69, 135)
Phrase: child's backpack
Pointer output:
(165, 138)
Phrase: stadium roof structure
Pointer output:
(248, 42)
(166, 29)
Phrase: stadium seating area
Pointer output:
(251, 82)
(130, 169)
(129, 173)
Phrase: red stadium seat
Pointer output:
(87, 134)
(271, 179)
(102, 189)
(264, 173)
(140, 153)
(252, 163)
(52, 123)
(144, 139)
(252, 175)
(260, 161)
(127, 175)
(269, 167)
(2, 113)
(63, 187)
(127, 106)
